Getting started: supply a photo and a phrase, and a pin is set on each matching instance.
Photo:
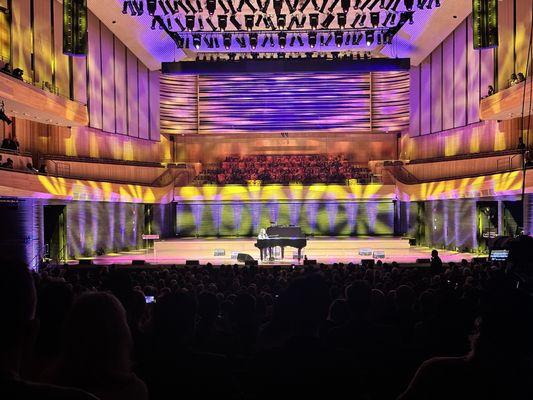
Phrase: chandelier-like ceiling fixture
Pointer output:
(242, 25)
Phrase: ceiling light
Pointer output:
(313, 20)
(226, 40)
(249, 22)
(327, 21)
(341, 20)
(311, 38)
(189, 22)
(282, 39)
(211, 6)
(374, 19)
(339, 38)
(253, 40)
(369, 35)
(222, 22)
(196, 41)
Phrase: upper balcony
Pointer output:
(26, 101)
(507, 103)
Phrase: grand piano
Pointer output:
(282, 236)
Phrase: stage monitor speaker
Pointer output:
(75, 27)
(423, 261)
(412, 242)
(310, 262)
(138, 262)
(480, 259)
(485, 23)
(192, 262)
(85, 262)
(368, 262)
(243, 257)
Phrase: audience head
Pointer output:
(358, 295)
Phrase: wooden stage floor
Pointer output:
(324, 250)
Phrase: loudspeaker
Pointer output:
(243, 257)
(310, 262)
(85, 262)
(368, 263)
(75, 27)
(423, 260)
(192, 262)
(412, 242)
(480, 259)
(137, 262)
(485, 23)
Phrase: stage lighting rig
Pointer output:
(282, 21)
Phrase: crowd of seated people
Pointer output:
(16, 73)
(286, 169)
(250, 333)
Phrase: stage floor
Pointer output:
(324, 250)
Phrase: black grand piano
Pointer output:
(282, 236)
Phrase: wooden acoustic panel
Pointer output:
(507, 104)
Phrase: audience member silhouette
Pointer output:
(499, 365)
(96, 350)
(19, 329)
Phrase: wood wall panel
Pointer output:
(414, 101)
(425, 97)
(5, 37)
(436, 90)
(62, 72)
(79, 79)
(95, 73)
(144, 102)
(154, 87)
(523, 30)
(21, 37)
(108, 79)
(473, 77)
(42, 42)
(506, 38)
(133, 95)
(448, 71)
(487, 70)
(460, 76)
(121, 90)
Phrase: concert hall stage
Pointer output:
(324, 250)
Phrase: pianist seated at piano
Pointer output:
(262, 234)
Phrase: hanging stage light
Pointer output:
(327, 41)
(339, 38)
(345, 5)
(189, 22)
(226, 40)
(235, 23)
(196, 41)
(253, 40)
(341, 20)
(249, 22)
(369, 35)
(313, 20)
(311, 38)
(211, 6)
(409, 4)
(151, 5)
(282, 21)
(374, 19)
(282, 39)
(356, 38)
(222, 22)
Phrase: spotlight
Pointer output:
(379, 38)
(222, 22)
(210, 23)
(293, 40)
(409, 4)
(253, 40)
(241, 41)
(211, 6)
(282, 21)
(362, 20)
(345, 5)
(356, 38)
(311, 38)
(300, 40)
(341, 20)
(226, 40)
(151, 5)
(265, 40)
(327, 21)
(271, 41)
(339, 38)
(374, 19)
(313, 20)
(282, 39)
(327, 41)
(369, 35)
(196, 41)
(189, 22)
(249, 21)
